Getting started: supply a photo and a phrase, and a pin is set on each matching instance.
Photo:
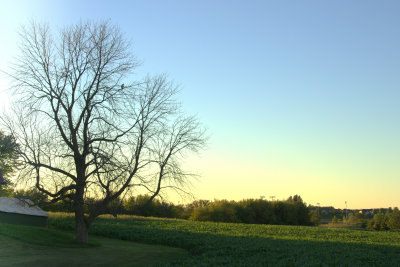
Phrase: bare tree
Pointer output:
(85, 129)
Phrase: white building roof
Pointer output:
(25, 206)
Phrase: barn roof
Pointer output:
(25, 206)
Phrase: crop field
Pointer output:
(226, 244)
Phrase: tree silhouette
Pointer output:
(87, 129)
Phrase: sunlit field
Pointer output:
(229, 244)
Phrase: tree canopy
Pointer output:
(88, 127)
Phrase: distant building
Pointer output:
(368, 211)
(21, 211)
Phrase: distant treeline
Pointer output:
(374, 219)
(327, 213)
(385, 219)
(292, 211)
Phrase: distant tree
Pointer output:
(335, 220)
(257, 211)
(315, 219)
(378, 222)
(199, 203)
(295, 198)
(217, 211)
(298, 213)
(140, 205)
(393, 221)
(8, 162)
(87, 130)
(357, 219)
(33, 194)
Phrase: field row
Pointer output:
(220, 244)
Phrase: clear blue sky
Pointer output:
(300, 97)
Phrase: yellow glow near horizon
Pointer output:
(235, 178)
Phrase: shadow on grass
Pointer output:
(213, 244)
(37, 246)
(42, 236)
(226, 250)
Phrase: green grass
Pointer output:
(35, 246)
(224, 244)
(42, 236)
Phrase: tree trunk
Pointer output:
(81, 228)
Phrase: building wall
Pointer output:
(14, 218)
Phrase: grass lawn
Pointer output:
(35, 246)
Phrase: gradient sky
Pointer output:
(299, 97)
